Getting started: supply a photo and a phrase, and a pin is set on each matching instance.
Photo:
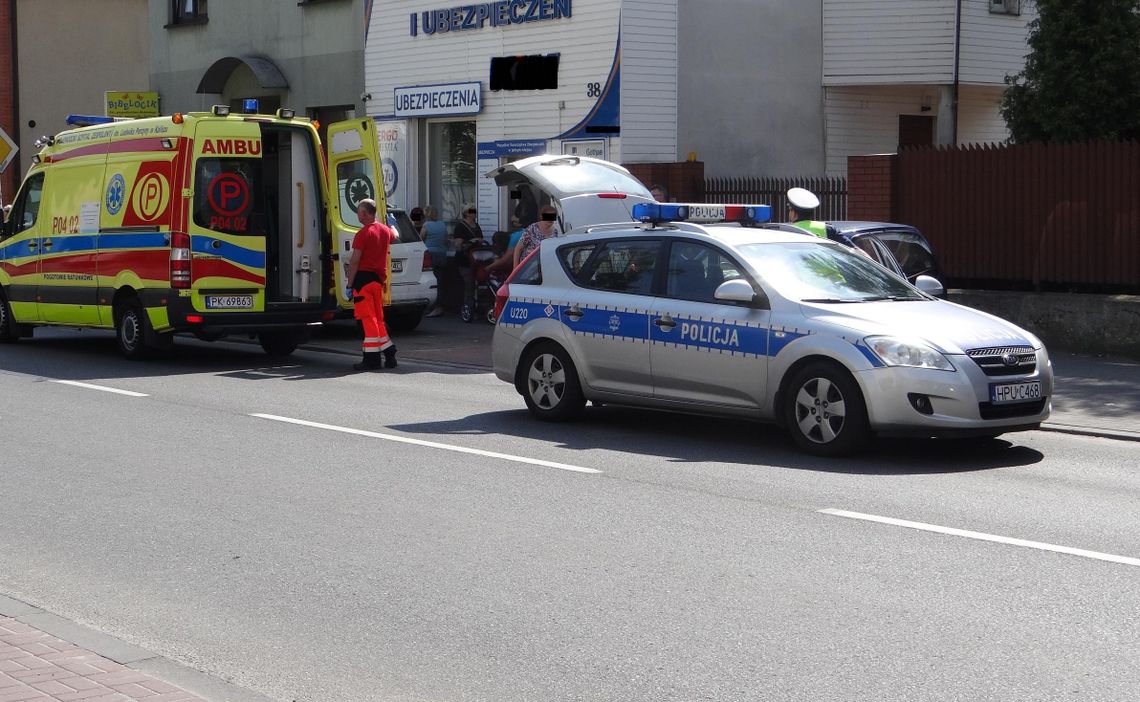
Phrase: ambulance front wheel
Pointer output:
(8, 329)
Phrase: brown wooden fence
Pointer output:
(1047, 216)
(832, 193)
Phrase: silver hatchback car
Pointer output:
(730, 319)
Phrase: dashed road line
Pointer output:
(429, 444)
(1097, 555)
(104, 388)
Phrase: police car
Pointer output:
(694, 308)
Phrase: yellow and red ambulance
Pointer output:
(212, 223)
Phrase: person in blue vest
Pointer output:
(802, 204)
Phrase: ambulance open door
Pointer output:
(354, 175)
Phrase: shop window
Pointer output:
(534, 72)
(187, 12)
(451, 171)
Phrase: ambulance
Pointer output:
(210, 223)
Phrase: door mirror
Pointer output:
(736, 291)
(930, 286)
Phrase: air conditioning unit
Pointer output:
(1005, 7)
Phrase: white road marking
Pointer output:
(429, 444)
(104, 388)
(1126, 560)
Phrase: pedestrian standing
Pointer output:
(435, 239)
(466, 231)
(368, 271)
(536, 233)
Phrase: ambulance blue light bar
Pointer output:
(249, 106)
(88, 120)
(676, 212)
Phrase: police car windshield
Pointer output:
(811, 272)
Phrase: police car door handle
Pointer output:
(665, 322)
(574, 313)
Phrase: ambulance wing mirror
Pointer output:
(740, 290)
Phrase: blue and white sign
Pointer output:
(439, 100)
(393, 138)
(511, 147)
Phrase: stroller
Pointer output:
(481, 255)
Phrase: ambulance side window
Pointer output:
(228, 196)
(26, 209)
(355, 182)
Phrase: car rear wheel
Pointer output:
(550, 384)
(403, 322)
(825, 411)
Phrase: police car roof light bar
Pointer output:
(655, 212)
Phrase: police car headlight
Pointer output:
(894, 351)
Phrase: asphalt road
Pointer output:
(316, 534)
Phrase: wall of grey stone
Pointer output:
(1094, 324)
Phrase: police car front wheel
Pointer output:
(550, 384)
(825, 411)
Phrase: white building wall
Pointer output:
(586, 41)
(649, 81)
(867, 42)
(979, 115)
(993, 45)
(750, 101)
(865, 119)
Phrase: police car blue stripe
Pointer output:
(519, 312)
(615, 323)
(781, 338)
(719, 336)
(870, 355)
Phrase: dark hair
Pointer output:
(416, 214)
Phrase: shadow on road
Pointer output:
(690, 439)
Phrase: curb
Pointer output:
(127, 654)
(1117, 434)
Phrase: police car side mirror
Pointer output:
(929, 285)
(737, 290)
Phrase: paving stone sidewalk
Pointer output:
(35, 665)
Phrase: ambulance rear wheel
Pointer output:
(550, 384)
(8, 332)
(130, 332)
(278, 344)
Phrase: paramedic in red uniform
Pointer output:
(367, 271)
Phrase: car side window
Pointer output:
(910, 251)
(574, 257)
(625, 266)
(529, 271)
(696, 271)
(26, 210)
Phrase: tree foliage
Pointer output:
(1082, 76)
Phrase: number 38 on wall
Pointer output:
(593, 89)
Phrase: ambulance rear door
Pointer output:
(230, 217)
(354, 174)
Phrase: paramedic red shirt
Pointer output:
(373, 241)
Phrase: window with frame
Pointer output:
(696, 271)
(625, 266)
(187, 11)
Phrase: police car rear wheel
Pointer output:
(551, 387)
(825, 411)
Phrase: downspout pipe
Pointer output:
(957, 59)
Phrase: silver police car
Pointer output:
(730, 319)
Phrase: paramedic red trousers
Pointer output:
(369, 309)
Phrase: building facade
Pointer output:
(748, 88)
(307, 55)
